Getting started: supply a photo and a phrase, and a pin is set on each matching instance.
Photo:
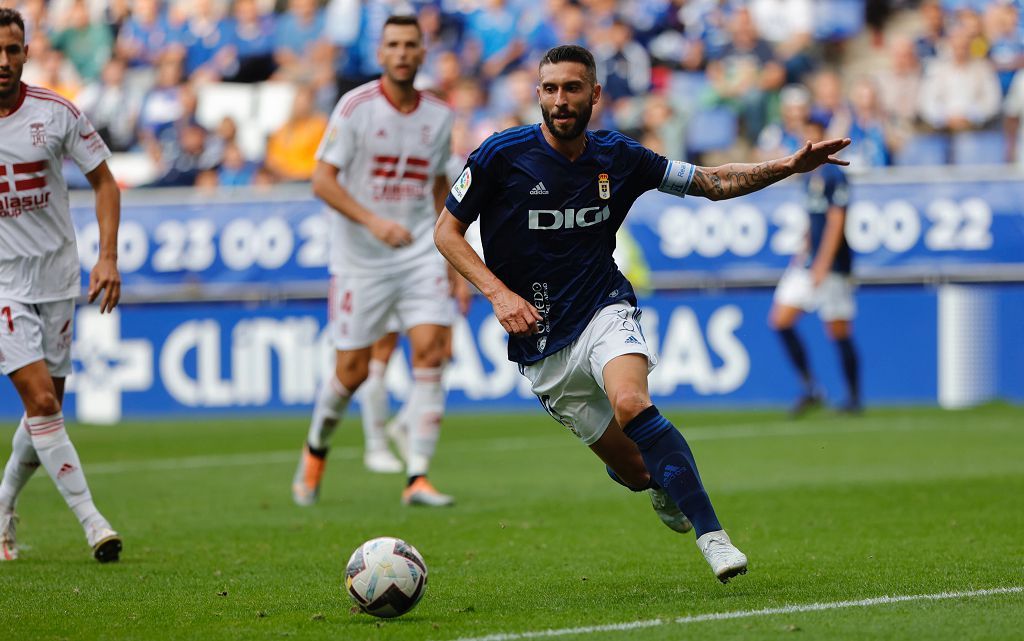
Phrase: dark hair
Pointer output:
(404, 20)
(9, 17)
(571, 53)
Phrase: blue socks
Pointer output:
(670, 462)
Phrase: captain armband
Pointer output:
(677, 179)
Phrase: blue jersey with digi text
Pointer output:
(548, 224)
(827, 187)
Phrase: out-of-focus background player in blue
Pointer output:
(818, 279)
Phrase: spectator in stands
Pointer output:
(491, 31)
(785, 137)
(1013, 110)
(516, 95)
(969, 21)
(203, 37)
(959, 92)
(86, 44)
(787, 25)
(249, 44)
(144, 35)
(291, 150)
(112, 106)
(163, 105)
(1006, 49)
(235, 170)
(182, 157)
(933, 30)
(47, 67)
(539, 27)
(747, 75)
(827, 97)
(623, 65)
(299, 32)
(864, 124)
(898, 89)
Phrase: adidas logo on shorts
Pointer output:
(539, 189)
(632, 341)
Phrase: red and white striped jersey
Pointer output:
(38, 254)
(388, 161)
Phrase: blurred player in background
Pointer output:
(818, 279)
(40, 279)
(381, 168)
(550, 198)
(374, 404)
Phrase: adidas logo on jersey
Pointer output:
(539, 190)
(632, 341)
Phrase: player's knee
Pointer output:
(352, 373)
(433, 355)
(628, 404)
(42, 403)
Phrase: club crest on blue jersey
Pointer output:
(604, 187)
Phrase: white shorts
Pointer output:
(832, 299)
(361, 309)
(570, 382)
(31, 332)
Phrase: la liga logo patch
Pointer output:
(461, 185)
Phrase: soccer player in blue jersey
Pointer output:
(550, 198)
(818, 279)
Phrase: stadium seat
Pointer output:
(979, 148)
(273, 104)
(838, 19)
(924, 149)
(225, 99)
(711, 130)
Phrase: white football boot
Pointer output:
(104, 541)
(382, 462)
(668, 511)
(8, 540)
(725, 560)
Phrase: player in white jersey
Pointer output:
(381, 170)
(40, 278)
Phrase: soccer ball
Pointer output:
(386, 577)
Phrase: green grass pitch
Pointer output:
(896, 502)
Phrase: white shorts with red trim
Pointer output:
(31, 332)
(361, 309)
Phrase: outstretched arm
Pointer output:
(739, 179)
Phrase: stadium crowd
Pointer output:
(236, 92)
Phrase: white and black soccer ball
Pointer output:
(386, 577)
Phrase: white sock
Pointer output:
(20, 467)
(425, 407)
(330, 407)
(373, 404)
(58, 456)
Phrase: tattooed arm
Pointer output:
(738, 179)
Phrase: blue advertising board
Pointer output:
(233, 247)
(714, 350)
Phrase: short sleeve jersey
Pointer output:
(38, 254)
(388, 161)
(826, 188)
(548, 225)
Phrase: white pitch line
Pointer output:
(742, 614)
(509, 444)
